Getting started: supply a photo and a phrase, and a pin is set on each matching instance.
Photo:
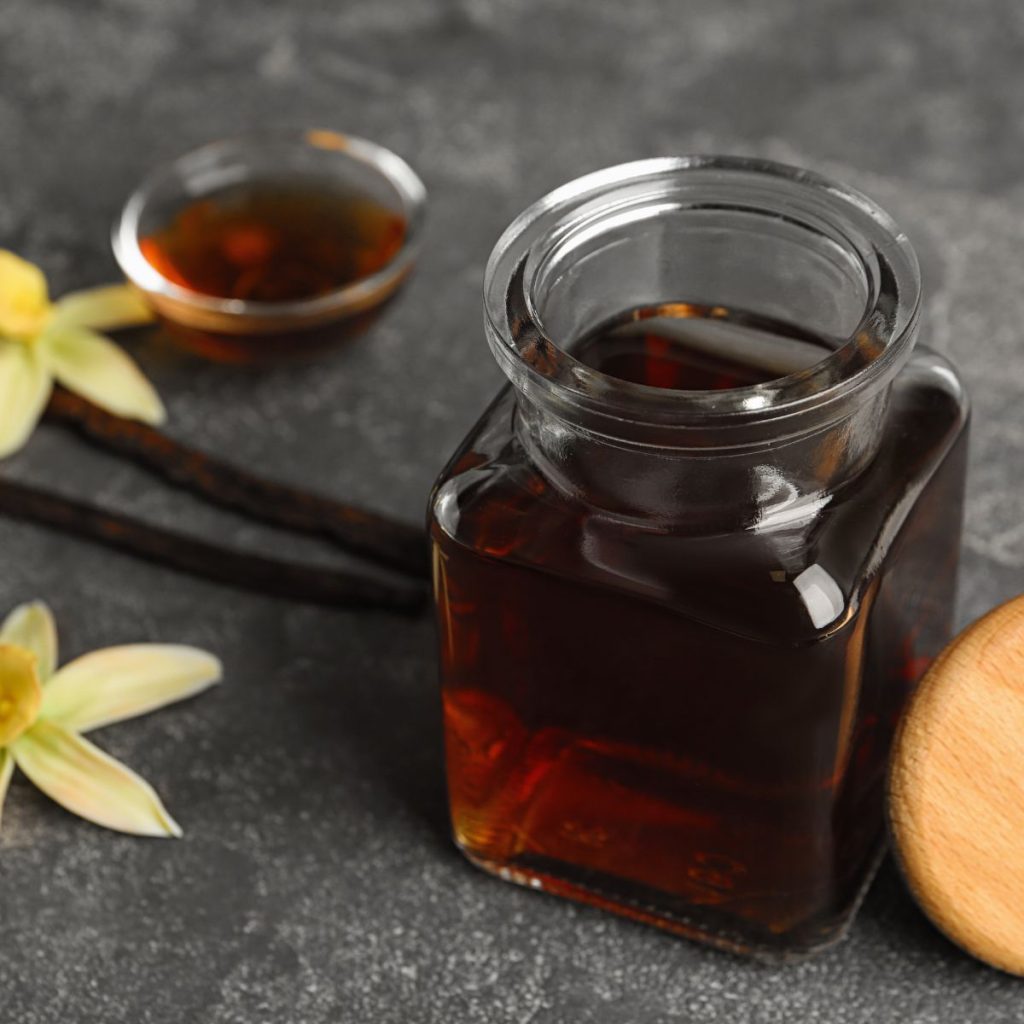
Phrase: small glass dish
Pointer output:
(317, 163)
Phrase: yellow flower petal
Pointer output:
(101, 309)
(31, 627)
(97, 369)
(24, 391)
(123, 682)
(24, 303)
(89, 783)
(20, 692)
(6, 771)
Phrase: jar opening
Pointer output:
(765, 266)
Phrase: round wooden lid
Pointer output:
(956, 790)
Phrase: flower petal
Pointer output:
(20, 692)
(97, 369)
(6, 771)
(123, 682)
(101, 309)
(31, 627)
(24, 391)
(24, 303)
(89, 783)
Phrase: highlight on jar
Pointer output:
(694, 558)
(270, 247)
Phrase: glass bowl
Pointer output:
(238, 329)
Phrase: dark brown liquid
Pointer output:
(652, 722)
(685, 347)
(265, 242)
(273, 242)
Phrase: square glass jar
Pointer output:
(678, 627)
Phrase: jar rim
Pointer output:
(515, 329)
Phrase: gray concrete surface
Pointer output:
(316, 882)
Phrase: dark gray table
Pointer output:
(316, 882)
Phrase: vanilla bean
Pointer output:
(372, 535)
(201, 558)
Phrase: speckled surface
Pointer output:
(316, 882)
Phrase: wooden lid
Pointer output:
(956, 790)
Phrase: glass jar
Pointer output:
(691, 562)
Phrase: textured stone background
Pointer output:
(316, 882)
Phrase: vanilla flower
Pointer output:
(44, 711)
(43, 341)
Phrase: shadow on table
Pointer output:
(890, 906)
(386, 721)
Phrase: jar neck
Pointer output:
(781, 484)
(719, 247)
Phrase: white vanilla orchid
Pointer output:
(44, 711)
(43, 341)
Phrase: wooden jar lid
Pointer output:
(956, 790)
